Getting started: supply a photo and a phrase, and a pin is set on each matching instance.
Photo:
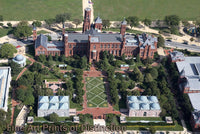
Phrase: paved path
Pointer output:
(21, 118)
(96, 112)
(14, 103)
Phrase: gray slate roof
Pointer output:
(98, 20)
(41, 40)
(147, 40)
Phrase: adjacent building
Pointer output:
(91, 42)
(53, 104)
(5, 78)
(143, 106)
(20, 59)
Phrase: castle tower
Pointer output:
(34, 32)
(98, 24)
(65, 36)
(87, 17)
(123, 27)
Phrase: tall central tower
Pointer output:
(87, 17)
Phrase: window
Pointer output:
(116, 52)
(119, 52)
(70, 52)
(120, 46)
(109, 52)
(38, 52)
(73, 46)
(145, 114)
(112, 45)
(94, 47)
(112, 51)
(116, 46)
(101, 46)
(108, 45)
(142, 53)
(70, 45)
(105, 46)
(151, 53)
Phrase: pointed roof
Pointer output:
(63, 106)
(43, 106)
(182, 73)
(53, 99)
(98, 20)
(124, 22)
(34, 27)
(43, 99)
(186, 84)
(63, 99)
(53, 105)
(41, 40)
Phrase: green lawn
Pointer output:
(39, 9)
(96, 94)
(154, 9)
(144, 118)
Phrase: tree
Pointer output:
(106, 23)
(77, 22)
(137, 75)
(1, 18)
(133, 21)
(161, 41)
(37, 23)
(153, 71)
(14, 67)
(61, 18)
(131, 85)
(56, 57)
(29, 98)
(7, 50)
(49, 22)
(152, 130)
(148, 78)
(147, 21)
(83, 62)
(1, 24)
(22, 30)
(138, 58)
(172, 20)
(53, 117)
(9, 24)
(50, 58)
(36, 67)
(42, 58)
(20, 93)
(45, 71)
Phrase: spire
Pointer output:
(98, 20)
(34, 27)
(124, 22)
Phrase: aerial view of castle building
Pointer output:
(99, 66)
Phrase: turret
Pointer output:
(123, 27)
(87, 17)
(98, 23)
(34, 32)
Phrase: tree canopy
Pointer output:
(22, 30)
(147, 21)
(161, 41)
(61, 18)
(133, 21)
(106, 23)
(7, 50)
(172, 20)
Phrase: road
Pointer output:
(182, 46)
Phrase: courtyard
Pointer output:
(96, 92)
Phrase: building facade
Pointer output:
(91, 42)
(53, 104)
(5, 79)
(143, 106)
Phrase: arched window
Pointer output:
(94, 47)
(70, 45)
(145, 114)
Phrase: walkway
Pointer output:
(21, 118)
(96, 112)
(14, 103)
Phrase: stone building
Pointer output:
(143, 106)
(91, 42)
(53, 104)
(5, 79)
(21, 60)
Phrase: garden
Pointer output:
(96, 94)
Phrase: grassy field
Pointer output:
(96, 92)
(154, 9)
(39, 9)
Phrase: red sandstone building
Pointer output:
(91, 42)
